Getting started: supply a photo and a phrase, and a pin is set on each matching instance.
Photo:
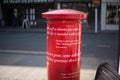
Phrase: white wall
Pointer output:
(103, 15)
(58, 6)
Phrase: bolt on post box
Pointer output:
(64, 43)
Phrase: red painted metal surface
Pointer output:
(64, 44)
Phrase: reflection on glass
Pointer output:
(77, 6)
(112, 13)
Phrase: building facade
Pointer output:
(81, 5)
(30, 9)
(109, 14)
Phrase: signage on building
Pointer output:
(73, 0)
(26, 1)
(96, 3)
(111, 1)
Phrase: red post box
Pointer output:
(64, 43)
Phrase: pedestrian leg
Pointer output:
(26, 25)
(23, 24)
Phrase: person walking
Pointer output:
(25, 23)
(14, 16)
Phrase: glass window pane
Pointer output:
(112, 13)
(33, 11)
(5, 1)
(26, 11)
(31, 22)
(42, 0)
(35, 0)
(35, 23)
(33, 17)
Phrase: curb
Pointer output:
(44, 31)
(24, 30)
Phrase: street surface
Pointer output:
(23, 54)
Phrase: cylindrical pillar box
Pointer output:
(64, 43)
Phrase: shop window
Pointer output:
(112, 13)
(76, 6)
(32, 16)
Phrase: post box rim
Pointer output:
(64, 14)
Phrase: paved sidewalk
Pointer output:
(35, 73)
(13, 69)
(23, 30)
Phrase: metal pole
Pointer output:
(96, 21)
(119, 43)
(58, 6)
